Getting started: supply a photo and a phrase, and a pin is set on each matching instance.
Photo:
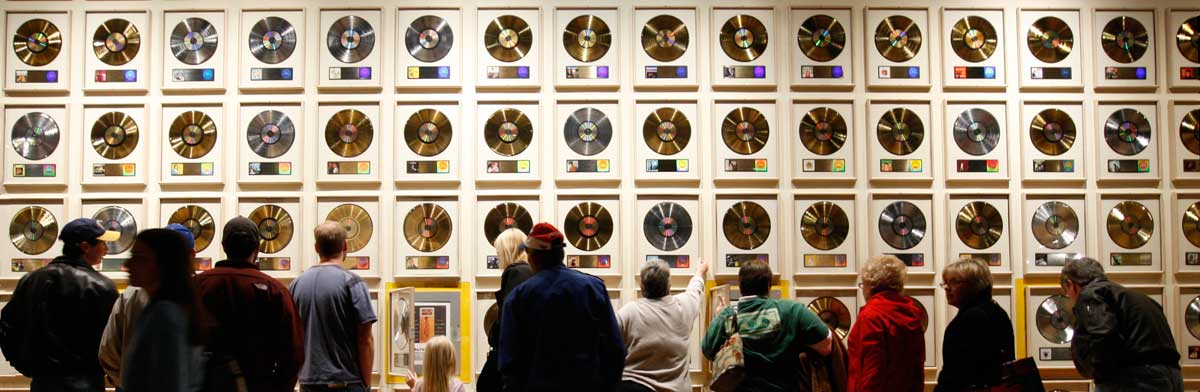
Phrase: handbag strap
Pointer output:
(735, 320)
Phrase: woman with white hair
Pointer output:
(887, 342)
(510, 249)
(656, 329)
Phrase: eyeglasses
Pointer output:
(947, 284)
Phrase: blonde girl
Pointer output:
(440, 367)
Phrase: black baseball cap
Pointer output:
(86, 229)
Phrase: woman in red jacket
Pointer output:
(887, 343)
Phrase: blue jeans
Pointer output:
(355, 387)
(1144, 378)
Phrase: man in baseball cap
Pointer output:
(85, 237)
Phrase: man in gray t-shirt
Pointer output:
(335, 308)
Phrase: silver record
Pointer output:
(1055, 225)
(118, 219)
(270, 134)
(667, 226)
(1191, 317)
(1127, 132)
(587, 131)
(350, 39)
(272, 40)
(902, 225)
(429, 38)
(35, 136)
(1054, 319)
(194, 41)
(976, 132)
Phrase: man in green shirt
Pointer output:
(774, 333)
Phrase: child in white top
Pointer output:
(440, 367)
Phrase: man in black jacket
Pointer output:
(50, 330)
(1122, 339)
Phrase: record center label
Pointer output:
(350, 73)
(442, 72)
(824, 165)
(1131, 259)
(348, 167)
(1050, 73)
(1125, 73)
(27, 170)
(744, 72)
(116, 76)
(114, 170)
(193, 75)
(821, 72)
(901, 165)
(735, 260)
(666, 72)
(1128, 165)
(667, 165)
(978, 165)
(587, 72)
(746, 165)
(192, 169)
(991, 259)
(824, 261)
(890, 72)
(427, 167)
(911, 259)
(1054, 353)
(36, 76)
(975, 72)
(270, 168)
(510, 167)
(271, 74)
(427, 262)
(275, 263)
(29, 265)
(589, 261)
(356, 263)
(675, 261)
(588, 166)
(507, 72)
(1053, 165)
(1189, 73)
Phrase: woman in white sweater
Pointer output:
(657, 328)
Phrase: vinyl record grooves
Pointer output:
(350, 39)
(272, 40)
(900, 131)
(976, 131)
(588, 226)
(902, 225)
(834, 313)
(114, 135)
(1189, 131)
(1187, 39)
(1054, 319)
(356, 221)
(197, 220)
(37, 42)
(270, 134)
(973, 39)
(193, 41)
(665, 38)
(1130, 224)
(743, 38)
(427, 227)
(508, 132)
(508, 38)
(1191, 224)
(1127, 132)
(587, 131)
(821, 38)
(1124, 39)
(823, 131)
(746, 225)
(118, 219)
(428, 132)
(898, 38)
(35, 136)
(1050, 39)
(1052, 132)
(116, 42)
(667, 226)
(275, 227)
(33, 230)
(979, 225)
(349, 133)
(745, 130)
(824, 225)
(429, 38)
(1191, 317)
(1054, 225)
(667, 131)
(503, 217)
(193, 134)
(587, 38)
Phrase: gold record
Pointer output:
(898, 38)
(508, 132)
(743, 38)
(821, 38)
(428, 132)
(116, 42)
(1191, 224)
(1130, 224)
(745, 130)
(356, 221)
(275, 227)
(349, 133)
(503, 217)
(427, 227)
(1191, 317)
(834, 313)
(588, 226)
(973, 39)
(508, 38)
(193, 134)
(114, 135)
(33, 230)
(667, 131)
(823, 131)
(1052, 132)
(37, 42)
(1187, 39)
(665, 38)
(1124, 39)
(1050, 39)
(197, 220)
(1189, 131)
(979, 225)
(824, 225)
(746, 225)
(900, 131)
(587, 38)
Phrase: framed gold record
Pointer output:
(973, 39)
(114, 135)
(824, 225)
(1189, 131)
(823, 131)
(587, 38)
(588, 226)
(1124, 39)
(821, 38)
(275, 227)
(900, 131)
(197, 220)
(508, 38)
(37, 42)
(898, 38)
(428, 132)
(427, 227)
(1052, 132)
(357, 222)
(116, 41)
(1187, 39)
(1130, 224)
(33, 230)
(508, 132)
(979, 225)
(833, 313)
(667, 131)
(746, 225)
(192, 134)
(745, 130)
(1050, 39)
(349, 133)
(665, 38)
(743, 38)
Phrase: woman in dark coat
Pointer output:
(980, 338)
(511, 252)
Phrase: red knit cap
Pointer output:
(544, 236)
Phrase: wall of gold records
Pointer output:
(808, 134)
